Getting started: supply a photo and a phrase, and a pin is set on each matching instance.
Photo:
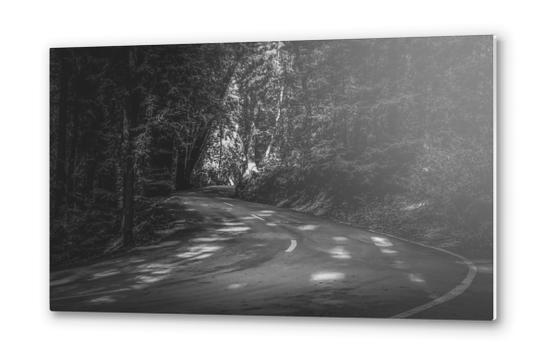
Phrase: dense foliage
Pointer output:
(391, 134)
(128, 124)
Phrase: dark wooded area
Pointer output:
(391, 134)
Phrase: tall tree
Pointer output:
(130, 113)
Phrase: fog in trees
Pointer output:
(393, 135)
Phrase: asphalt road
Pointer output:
(252, 259)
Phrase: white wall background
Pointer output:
(27, 29)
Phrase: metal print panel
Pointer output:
(344, 178)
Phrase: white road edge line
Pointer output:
(293, 244)
(257, 217)
(228, 204)
(456, 291)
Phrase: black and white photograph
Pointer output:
(270, 177)
(328, 178)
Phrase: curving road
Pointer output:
(230, 256)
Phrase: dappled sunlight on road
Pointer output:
(340, 252)
(66, 280)
(162, 244)
(103, 300)
(210, 239)
(307, 227)
(155, 268)
(381, 241)
(384, 244)
(232, 255)
(152, 272)
(100, 281)
(143, 273)
(232, 223)
(326, 276)
(415, 278)
(202, 256)
(236, 286)
(147, 279)
(233, 229)
(340, 239)
(265, 213)
(106, 273)
(198, 251)
(248, 218)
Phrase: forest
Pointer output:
(391, 135)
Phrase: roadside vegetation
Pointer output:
(394, 135)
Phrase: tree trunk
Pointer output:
(275, 128)
(127, 221)
(187, 158)
(182, 174)
(221, 138)
(71, 161)
(60, 163)
(130, 112)
(250, 158)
